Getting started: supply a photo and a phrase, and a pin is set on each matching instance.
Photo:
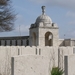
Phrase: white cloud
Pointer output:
(40, 1)
(22, 29)
(72, 34)
(71, 23)
(70, 14)
(62, 3)
(20, 18)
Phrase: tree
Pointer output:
(56, 71)
(7, 16)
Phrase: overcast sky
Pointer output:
(61, 12)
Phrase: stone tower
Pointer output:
(43, 32)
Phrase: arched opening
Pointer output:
(48, 39)
(34, 39)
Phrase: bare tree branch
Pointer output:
(7, 16)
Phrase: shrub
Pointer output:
(56, 71)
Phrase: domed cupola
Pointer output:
(43, 21)
(43, 18)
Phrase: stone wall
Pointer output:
(66, 42)
(6, 52)
(54, 54)
(61, 42)
(30, 65)
(64, 51)
(15, 42)
(69, 65)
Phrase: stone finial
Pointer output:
(43, 10)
